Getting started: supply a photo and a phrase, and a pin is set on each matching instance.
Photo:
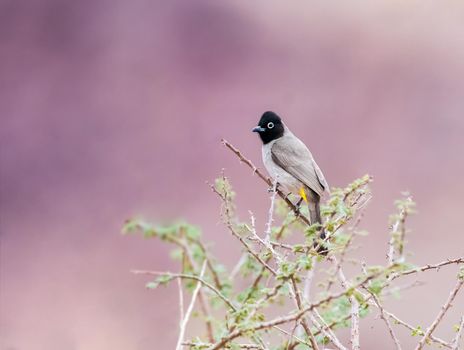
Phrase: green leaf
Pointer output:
(164, 279)
(374, 269)
(312, 230)
(461, 273)
(130, 226)
(376, 287)
(233, 346)
(191, 232)
(305, 262)
(298, 248)
(176, 254)
(151, 285)
(359, 297)
(417, 331)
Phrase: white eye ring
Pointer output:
(270, 125)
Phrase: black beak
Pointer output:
(258, 129)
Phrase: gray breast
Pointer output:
(290, 183)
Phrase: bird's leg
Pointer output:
(287, 195)
(297, 206)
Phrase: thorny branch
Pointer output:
(385, 318)
(455, 343)
(442, 313)
(274, 271)
(354, 307)
(231, 228)
(398, 231)
(186, 318)
(191, 277)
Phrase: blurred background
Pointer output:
(112, 109)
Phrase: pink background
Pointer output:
(116, 108)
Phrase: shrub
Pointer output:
(278, 274)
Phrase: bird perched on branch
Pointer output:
(288, 160)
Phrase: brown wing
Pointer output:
(294, 157)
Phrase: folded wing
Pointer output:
(293, 156)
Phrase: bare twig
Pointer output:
(457, 261)
(204, 345)
(440, 315)
(411, 328)
(338, 264)
(190, 309)
(303, 321)
(354, 323)
(398, 233)
(203, 304)
(293, 336)
(292, 345)
(265, 242)
(260, 275)
(274, 244)
(458, 334)
(354, 306)
(325, 329)
(270, 220)
(216, 279)
(191, 277)
(383, 314)
(395, 290)
(309, 279)
(385, 318)
(181, 302)
(391, 242)
(238, 266)
(395, 318)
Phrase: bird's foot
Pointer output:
(271, 188)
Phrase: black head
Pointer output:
(270, 127)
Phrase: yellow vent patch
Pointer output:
(303, 194)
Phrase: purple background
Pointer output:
(116, 108)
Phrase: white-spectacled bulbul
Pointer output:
(288, 160)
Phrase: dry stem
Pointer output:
(458, 334)
(183, 325)
(442, 313)
(191, 277)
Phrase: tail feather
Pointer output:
(315, 217)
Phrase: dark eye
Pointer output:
(270, 125)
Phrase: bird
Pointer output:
(289, 162)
